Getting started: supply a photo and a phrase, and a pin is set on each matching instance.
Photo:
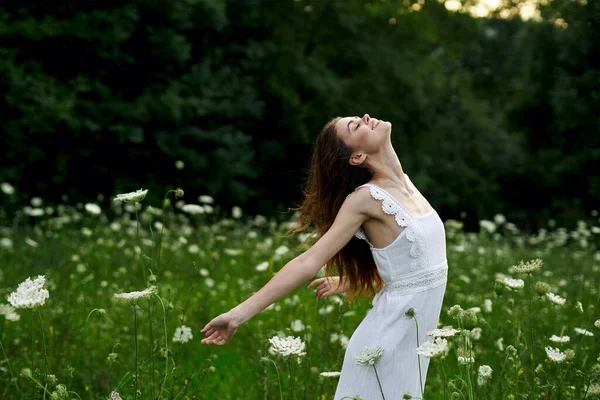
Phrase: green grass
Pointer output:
(207, 266)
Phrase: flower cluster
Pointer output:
(183, 334)
(289, 346)
(528, 267)
(132, 297)
(433, 349)
(132, 197)
(30, 293)
(369, 356)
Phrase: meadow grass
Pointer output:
(205, 264)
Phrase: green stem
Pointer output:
(162, 386)
(136, 350)
(137, 219)
(32, 352)
(151, 307)
(377, 375)
(290, 378)
(10, 369)
(278, 379)
(44, 347)
(419, 358)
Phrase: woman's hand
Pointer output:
(220, 329)
(328, 286)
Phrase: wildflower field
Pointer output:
(106, 301)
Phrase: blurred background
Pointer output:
(495, 104)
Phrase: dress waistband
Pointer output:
(419, 281)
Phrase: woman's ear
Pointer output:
(357, 158)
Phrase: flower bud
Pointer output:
(455, 312)
(469, 319)
(179, 193)
(569, 354)
(542, 288)
(499, 288)
(411, 312)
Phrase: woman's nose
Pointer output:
(366, 117)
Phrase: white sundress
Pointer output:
(415, 270)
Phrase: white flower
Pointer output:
(31, 242)
(555, 354)
(9, 312)
(281, 250)
(289, 346)
(36, 202)
(236, 212)
(446, 331)
(475, 333)
(132, 297)
(334, 374)
(297, 326)
(487, 225)
(30, 293)
(193, 209)
(183, 334)
(499, 219)
(465, 360)
(132, 197)
(369, 356)
(115, 396)
(555, 298)
(579, 307)
(206, 199)
(583, 332)
(208, 209)
(485, 373)
(487, 305)
(559, 339)
(528, 267)
(193, 248)
(7, 243)
(513, 283)
(262, 266)
(597, 323)
(433, 349)
(179, 164)
(7, 188)
(93, 208)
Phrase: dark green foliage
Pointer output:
(489, 115)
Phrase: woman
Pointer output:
(385, 239)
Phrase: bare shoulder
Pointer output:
(362, 202)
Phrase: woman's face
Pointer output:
(364, 134)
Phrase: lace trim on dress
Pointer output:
(420, 281)
(403, 218)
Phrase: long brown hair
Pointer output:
(331, 178)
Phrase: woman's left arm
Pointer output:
(296, 272)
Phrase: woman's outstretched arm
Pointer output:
(295, 273)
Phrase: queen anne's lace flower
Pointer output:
(555, 354)
(192, 209)
(115, 396)
(559, 339)
(369, 356)
(528, 267)
(30, 293)
(132, 197)
(556, 299)
(446, 331)
(485, 373)
(465, 360)
(132, 297)
(9, 312)
(582, 331)
(334, 374)
(183, 334)
(514, 283)
(433, 349)
(93, 208)
(289, 346)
